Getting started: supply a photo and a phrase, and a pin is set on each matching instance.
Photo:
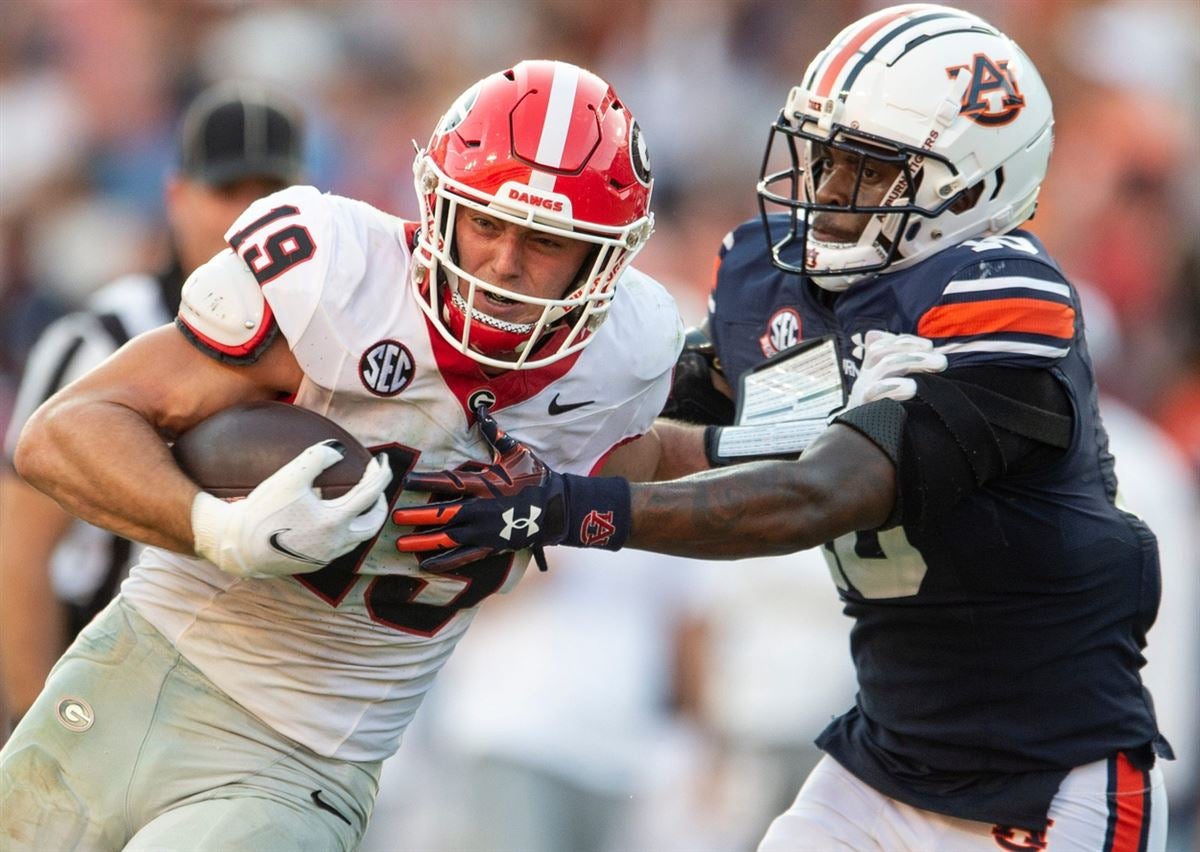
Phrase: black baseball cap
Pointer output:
(235, 131)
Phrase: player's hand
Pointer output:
(888, 360)
(283, 526)
(512, 503)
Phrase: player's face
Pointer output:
(839, 183)
(532, 263)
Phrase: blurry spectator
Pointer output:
(769, 667)
(1122, 204)
(1157, 484)
(239, 142)
(1178, 409)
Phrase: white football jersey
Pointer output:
(339, 659)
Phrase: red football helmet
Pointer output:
(548, 146)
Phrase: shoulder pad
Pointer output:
(748, 231)
(1015, 309)
(647, 326)
(223, 312)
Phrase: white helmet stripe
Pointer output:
(559, 111)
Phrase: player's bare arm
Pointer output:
(842, 483)
(32, 623)
(700, 396)
(668, 451)
(99, 448)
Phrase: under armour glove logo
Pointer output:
(528, 524)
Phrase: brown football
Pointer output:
(232, 451)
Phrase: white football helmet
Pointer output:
(548, 146)
(942, 94)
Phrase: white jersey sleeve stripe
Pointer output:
(1006, 346)
(981, 285)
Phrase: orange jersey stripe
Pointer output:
(1029, 316)
(1130, 805)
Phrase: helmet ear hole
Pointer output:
(968, 199)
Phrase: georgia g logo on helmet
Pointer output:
(989, 78)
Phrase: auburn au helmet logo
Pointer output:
(992, 98)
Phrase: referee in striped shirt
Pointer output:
(238, 142)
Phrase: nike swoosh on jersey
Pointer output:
(278, 545)
(556, 408)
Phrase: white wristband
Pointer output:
(210, 517)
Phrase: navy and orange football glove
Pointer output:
(513, 503)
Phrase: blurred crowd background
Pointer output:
(628, 702)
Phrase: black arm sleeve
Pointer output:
(965, 428)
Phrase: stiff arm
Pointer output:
(842, 483)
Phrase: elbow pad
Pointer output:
(223, 312)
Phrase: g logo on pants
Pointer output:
(74, 714)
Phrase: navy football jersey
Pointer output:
(998, 643)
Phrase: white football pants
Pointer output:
(837, 811)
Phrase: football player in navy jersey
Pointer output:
(967, 510)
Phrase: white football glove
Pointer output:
(283, 526)
(887, 360)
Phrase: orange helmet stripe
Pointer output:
(870, 28)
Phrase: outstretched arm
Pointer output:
(842, 483)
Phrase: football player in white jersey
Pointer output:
(266, 655)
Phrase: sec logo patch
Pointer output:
(783, 330)
(386, 368)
